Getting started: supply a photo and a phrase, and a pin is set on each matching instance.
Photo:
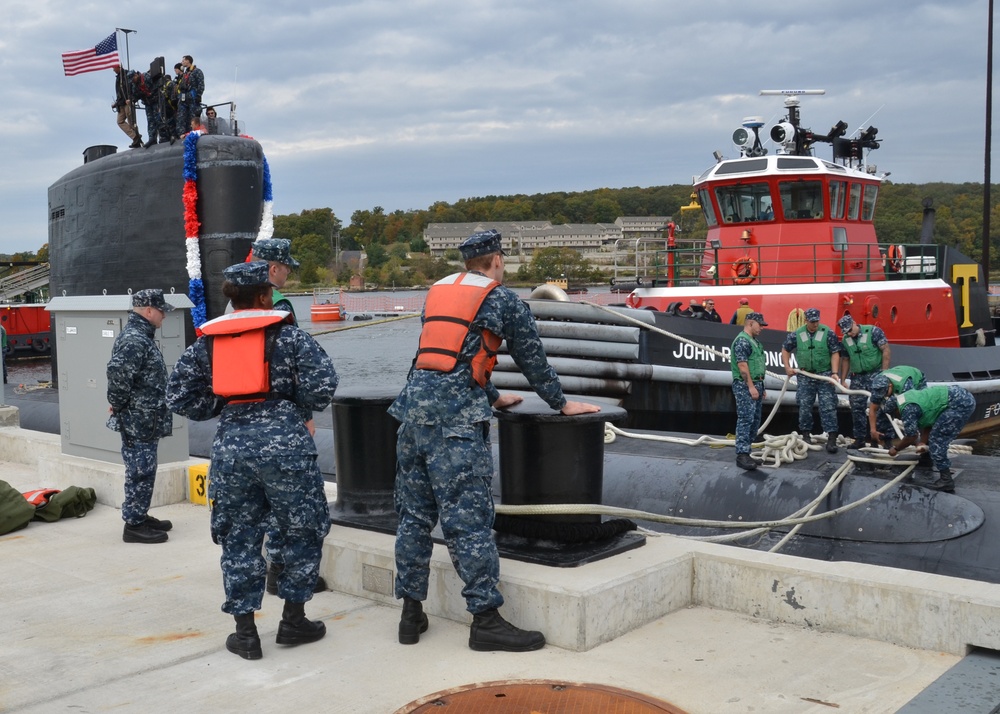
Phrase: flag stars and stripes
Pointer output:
(102, 56)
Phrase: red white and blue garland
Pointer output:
(192, 226)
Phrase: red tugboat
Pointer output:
(791, 230)
(787, 230)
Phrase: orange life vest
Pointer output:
(40, 496)
(451, 306)
(239, 351)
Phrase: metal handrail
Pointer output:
(689, 265)
(24, 280)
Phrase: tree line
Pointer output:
(397, 254)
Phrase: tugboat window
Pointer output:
(741, 167)
(874, 312)
(868, 206)
(791, 164)
(855, 202)
(706, 207)
(840, 238)
(838, 197)
(801, 200)
(744, 203)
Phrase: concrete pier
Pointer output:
(708, 628)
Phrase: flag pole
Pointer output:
(127, 67)
(127, 32)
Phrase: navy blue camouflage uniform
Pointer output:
(137, 380)
(809, 389)
(748, 409)
(190, 89)
(944, 428)
(264, 463)
(445, 462)
(863, 381)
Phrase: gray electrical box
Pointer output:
(85, 328)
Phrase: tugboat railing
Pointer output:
(691, 263)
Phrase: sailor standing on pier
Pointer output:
(263, 386)
(137, 384)
(444, 461)
(280, 264)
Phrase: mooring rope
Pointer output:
(785, 378)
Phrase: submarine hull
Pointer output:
(116, 223)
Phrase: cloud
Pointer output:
(359, 104)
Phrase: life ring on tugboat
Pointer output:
(894, 258)
(744, 271)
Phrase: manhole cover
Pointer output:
(538, 697)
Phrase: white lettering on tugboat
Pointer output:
(992, 410)
(690, 353)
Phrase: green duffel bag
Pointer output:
(71, 502)
(15, 511)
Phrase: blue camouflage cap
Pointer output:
(482, 243)
(247, 274)
(846, 323)
(878, 387)
(277, 249)
(757, 317)
(151, 297)
(812, 315)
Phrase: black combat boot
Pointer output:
(491, 632)
(152, 140)
(412, 622)
(295, 629)
(136, 142)
(858, 444)
(245, 642)
(831, 443)
(157, 525)
(143, 533)
(275, 569)
(946, 483)
(745, 461)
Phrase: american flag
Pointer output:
(104, 56)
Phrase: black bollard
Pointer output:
(364, 438)
(549, 458)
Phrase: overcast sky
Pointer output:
(400, 103)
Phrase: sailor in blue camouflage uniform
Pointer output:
(280, 264)
(895, 380)
(934, 416)
(277, 252)
(865, 354)
(444, 459)
(817, 350)
(190, 88)
(137, 380)
(748, 367)
(263, 463)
